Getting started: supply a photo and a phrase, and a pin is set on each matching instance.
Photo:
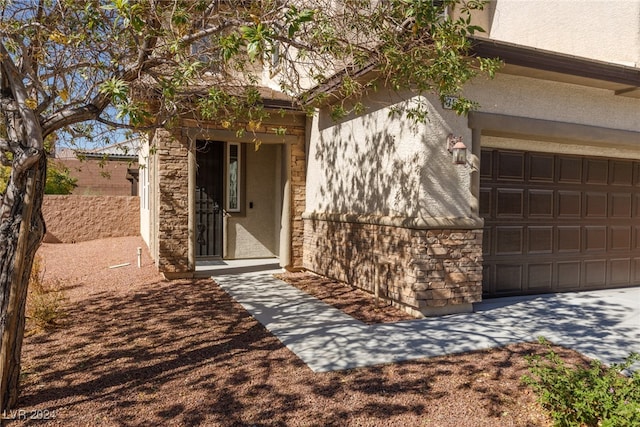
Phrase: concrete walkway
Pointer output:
(601, 324)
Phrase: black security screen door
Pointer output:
(209, 198)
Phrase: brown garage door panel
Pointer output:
(540, 277)
(558, 223)
(553, 276)
(620, 271)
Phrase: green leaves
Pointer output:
(243, 111)
(131, 49)
(427, 51)
(586, 396)
(257, 38)
(260, 37)
(116, 88)
(132, 14)
(294, 19)
(133, 111)
(229, 46)
(489, 65)
(59, 180)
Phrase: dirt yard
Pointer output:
(135, 350)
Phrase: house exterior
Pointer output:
(208, 194)
(547, 200)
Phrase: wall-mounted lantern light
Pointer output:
(457, 148)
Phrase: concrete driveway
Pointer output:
(604, 325)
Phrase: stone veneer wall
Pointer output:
(72, 218)
(173, 203)
(423, 271)
(298, 201)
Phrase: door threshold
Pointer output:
(207, 268)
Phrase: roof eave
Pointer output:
(530, 62)
(523, 60)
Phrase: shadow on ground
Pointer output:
(599, 324)
(184, 353)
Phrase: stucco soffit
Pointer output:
(548, 130)
(553, 66)
(232, 136)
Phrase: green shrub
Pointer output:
(59, 179)
(586, 396)
(45, 300)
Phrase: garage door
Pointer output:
(558, 223)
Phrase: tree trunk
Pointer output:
(21, 231)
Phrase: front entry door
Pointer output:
(209, 199)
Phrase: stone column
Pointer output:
(173, 206)
(298, 200)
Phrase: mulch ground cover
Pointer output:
(136, 350)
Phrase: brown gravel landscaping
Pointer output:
(355, 302)
(136, 350)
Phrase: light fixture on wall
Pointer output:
(457, 148)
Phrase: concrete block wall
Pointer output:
(100, 178)
(425, 272)
(73, 218)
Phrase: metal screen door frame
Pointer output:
(209, 199)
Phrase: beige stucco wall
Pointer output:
(144, 192)
(254, 234)
(607, 30)
(389, 212)
(561, 102)
(382, 164)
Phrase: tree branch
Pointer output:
(69, 115)
(190, 38)
(24, 158)
(32, 131)
(94, 108)
(213, 7)
(8, 146)
(126, 126)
